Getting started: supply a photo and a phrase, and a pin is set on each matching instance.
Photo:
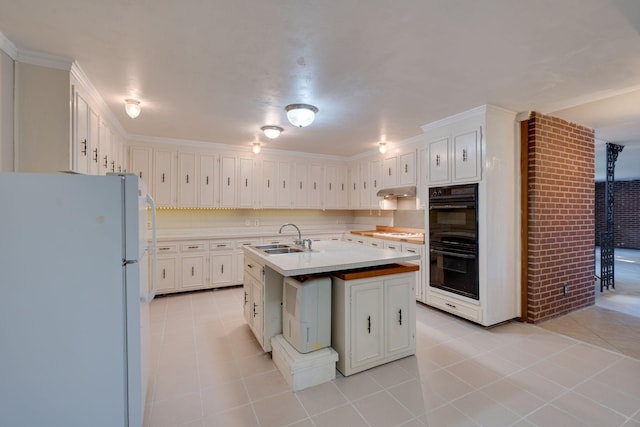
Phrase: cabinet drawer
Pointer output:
(220, 245)
(194, 247)
(457, 307)
(167, 248)
(241, 243)
(392, 246)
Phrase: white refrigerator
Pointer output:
(74, 297)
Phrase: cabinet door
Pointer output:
(439, 161)
(354, 187)
(247, 282)
(342, 186)
(257, 310)
(367, 320)
(330, 187)
(228, 184)
(105, 149)
(283, 187)
(267, 187)
(187, 179)
(81, 153)
(164, 183)
(389, 171)
(207, 180)
(94, 141)
(466, 164)
(408, 168)
(315, 186)
(221, 268)
(193, 267)
(167, 274)
(375, 180)
(399, 294)
(365, 186)
(301, 194)
(141, 164)
(246, 184)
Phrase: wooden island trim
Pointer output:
(376, 271)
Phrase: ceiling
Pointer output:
(217, 71)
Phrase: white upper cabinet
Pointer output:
(283, 185)
(438, 170)
(164, 178)
(375, 181)
(187, 180)
(208, 180)
(408, 168)
(315, 186)
(81, 152)
(267, 186)
(390, 171)
(228, 181)
(354, 186)
(399, 169)
(466, 154)
(300, 193)
(142, 163)
(246, 184)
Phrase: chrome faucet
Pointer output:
(298, 242)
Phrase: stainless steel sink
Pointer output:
(271, 246)
(277, 251)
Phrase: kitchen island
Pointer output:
(373, 268)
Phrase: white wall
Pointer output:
(6, 112)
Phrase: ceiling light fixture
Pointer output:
(132, 106)
(301, 115)
(382, 147)
(256, 148)
(271, 131)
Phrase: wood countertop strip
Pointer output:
(377, 271)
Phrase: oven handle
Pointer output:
(452, 207)
(453, 254)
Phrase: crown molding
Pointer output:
(44, 59)
(8, 47)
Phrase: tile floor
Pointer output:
(208, 370)
(614, 321)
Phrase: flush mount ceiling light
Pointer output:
(271, 131)
(382, 147)
(132, 106)
(301, 115)
(256, 148)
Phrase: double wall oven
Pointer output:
(453, 239)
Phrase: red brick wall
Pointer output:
(560, 218)
(626, 212)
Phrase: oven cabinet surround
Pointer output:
(265, 287)
(488, 136)
(372, 320)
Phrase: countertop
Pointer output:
(327, 256)
(381, 232)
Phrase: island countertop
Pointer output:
(327, 256)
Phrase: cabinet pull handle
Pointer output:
(221, 268)
(369, 324)
(354, 186)
(245, 297)
(389, 171)
(375, 183)
(106, 162)
(411, 250)
(301, 185)
(464, 154)
(207, 180)
(140, 174)
(437, 159)
(164, 249)
(284, 185)
(249, 265)
(119, 169)
(187, 178)
(221, 245)
(254, 309)
(451, 305)
(164, 274)
(228, 181)
(268, 183)
(193, 271)
(406, 168)
(365, 185)
(193, 247)
(84, 146)
(246, 182)
(314, 185)
(163, 177)
(400, 317)
(329, 186)
(95, 155)
(342, 187)
(113, 165)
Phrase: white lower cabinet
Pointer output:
(194, 262)
(167, 272)
(373, 320)
(450, 303)
(254, 297)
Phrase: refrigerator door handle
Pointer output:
(154, 268)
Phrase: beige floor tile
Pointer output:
(551, 416)
(512, 396)
(410, 395)
(342, 416)
(223, 397)
(448, 416)
(447, 385)
(624, 375)
(611, 397)
(257, 364)
(180, 410)
(389, 374)
(543, 388)
(264, 385)
(382, 410)
(176, 382)
(321, 398)
(587, 410)
(241, 416)
(474, 373)
(279, 410)
(484, 410)
(562, 375)
(357, 386)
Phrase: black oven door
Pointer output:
(454, 271)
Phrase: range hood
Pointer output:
(392, 193)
